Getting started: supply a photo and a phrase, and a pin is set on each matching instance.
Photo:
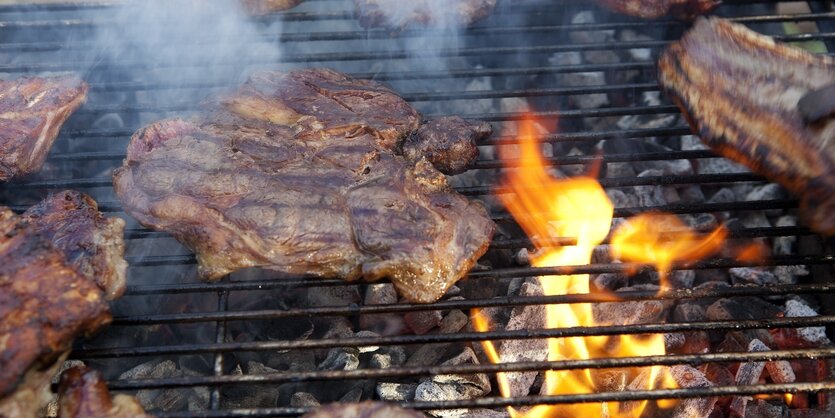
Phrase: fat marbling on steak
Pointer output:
(398, 14)
(740, 92)
(91, 242)
(299, 172)
(44, 304)
(82, 393)
(654, 9)
(32, 110)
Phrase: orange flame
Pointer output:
(661, 239)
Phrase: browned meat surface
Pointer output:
(740, 92)
(262, 7)
(654, 9)
(449, 143)
(32, 110)
(363, 410)
(91, 242)
(297, 172)
(398, 14)
(83, 394)
(44, 304)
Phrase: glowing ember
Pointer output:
(546, 207)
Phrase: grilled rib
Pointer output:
(654, 9)
(91, 242)
(83, 394)
(32, 110)
(740, 91)
(44, 304)
(299, 172)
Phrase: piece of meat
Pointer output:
(44, 304)
(654, 9)
(32, 110)
(363, 410)
(740, 91)
(263, 7)
(449, 143)
(91, 242)
(398, 14)
(297, 172)
(82, 393)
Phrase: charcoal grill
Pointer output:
(168, 314)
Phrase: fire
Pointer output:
(545, 206)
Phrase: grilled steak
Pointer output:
(32, 110)
(449, 143)
(363, 410)
(44, 304)
(397, 14)
(298, 172)
(740, 91)
(92, 243)
(262, 7)
(654, 9)
(83, 394)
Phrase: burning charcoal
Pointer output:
(692, 143)
(789, 274)
(610, 380)
(522, 257)
(601, 254)
(689, 312)
(428, 354)
(153, 399)
(755, 219)
(341, 359)
(479, 380)
(748, 374)
(303, 400)
(453, 322)
(339, 328)
(688, 377)
(768, 191)
(691, 194)
(421, 322)
(727, 310)
(380, 361)
(637, 54)
(587, 37)
(610, 281)
(781, 371)
(396, 391)
(682, 279)
(718, 374)
(353, 395)
(383, 324)
(702, 221)
(674, 341)
(813, 335)
(752, 275)
(648, 98)
(333, 296)
(628, 313)
(809, 413)
(380, 294)
(620, 170)
(650, 196)
(670, 194)
(621, 199)
(294, 360)
(719, 166)
(759, 408)
(524, 317)
(368, 348)
(668, 167)
(783, 245)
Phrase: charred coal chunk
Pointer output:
(365, 410)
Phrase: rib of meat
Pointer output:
(91, 242)
(83, 394)
(363, 410)
(449, 143)
(740, 90)
(44, 304)
(263, 7)
(32, 110)
(654, 9)
(397, 14)
(297, 172)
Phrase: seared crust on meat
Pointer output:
(397, 14)
(32, 110)
(654, 9)
(363, 410)
(93, 243)
(44, 302)
(262, 7)
(739, 91)
(450, 143)
(83, 394)
(299, 172)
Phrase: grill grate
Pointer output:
(168, 314)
